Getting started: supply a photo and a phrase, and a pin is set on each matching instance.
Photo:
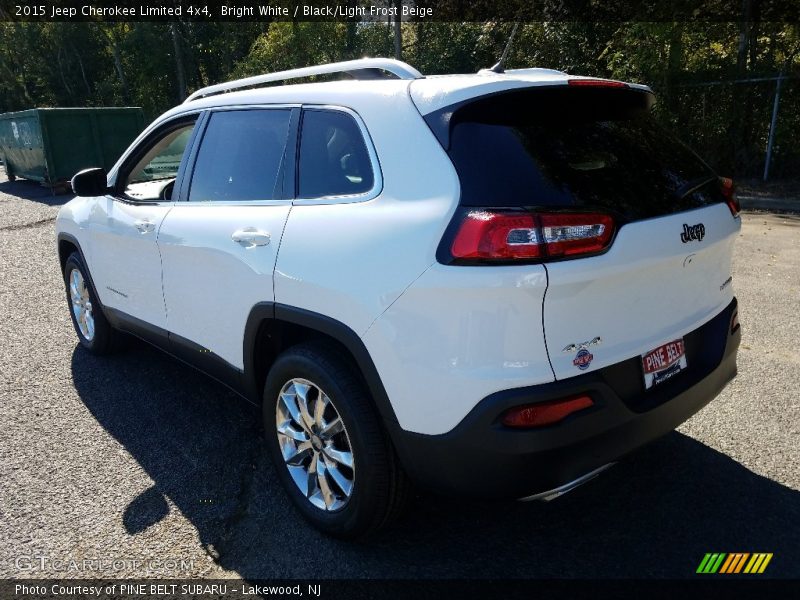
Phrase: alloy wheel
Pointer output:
(315, 445)
(81, 304)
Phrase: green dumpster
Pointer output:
(50, 145)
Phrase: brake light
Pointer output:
(485, 235)
(545, 413)
(597, 83)
(729, 191)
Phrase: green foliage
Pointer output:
(154, 64)
(292, 45)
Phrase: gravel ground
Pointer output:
(138, 457)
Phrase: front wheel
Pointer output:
(330, 450)
(94, 331)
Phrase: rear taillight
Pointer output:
(573, 234)
(490, 235)
(729, 191)
(494, 235)
(545, 413)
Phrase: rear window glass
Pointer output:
(575, 148)
(241, 156)
(333, 156)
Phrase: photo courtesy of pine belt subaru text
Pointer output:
(492, 285)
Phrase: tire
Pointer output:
(95, 333)
(11, 177)
(377, 484)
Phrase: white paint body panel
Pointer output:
(460, 334)
(125, 262)
(648, 289)
(212, 282)
(432, 93)
(351, 260)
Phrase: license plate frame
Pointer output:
(664, 362)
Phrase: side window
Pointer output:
(152, 178)
(241, 156)
(333, 156)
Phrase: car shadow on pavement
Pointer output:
(653, 515)
(32, 190)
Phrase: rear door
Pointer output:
(220, 242)
(587, 149)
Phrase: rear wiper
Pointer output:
(692, 186)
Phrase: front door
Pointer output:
(123, 226)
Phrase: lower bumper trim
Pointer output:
(567, 487)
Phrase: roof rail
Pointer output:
(363, 68)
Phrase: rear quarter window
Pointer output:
(334, 160)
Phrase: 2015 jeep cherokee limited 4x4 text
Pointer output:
(492, 284)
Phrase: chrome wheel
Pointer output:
(315, 446)
(81, 304)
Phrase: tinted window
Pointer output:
(153, 176)
(241, 156)
(333, 157)
(574, 148)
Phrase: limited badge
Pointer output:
(583, 359)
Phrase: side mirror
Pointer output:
(90, 182)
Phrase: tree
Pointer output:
(153, 65)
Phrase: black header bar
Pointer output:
(730, 588)
(405, 10)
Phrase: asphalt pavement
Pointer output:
(141, 462)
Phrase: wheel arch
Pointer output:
(67, 245)
(273, 327)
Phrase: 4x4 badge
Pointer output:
(693, 232)
(579, 345)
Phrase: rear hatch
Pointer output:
(589, 160)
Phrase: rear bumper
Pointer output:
(482, 458)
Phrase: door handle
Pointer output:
(250, 237)
(144, 226)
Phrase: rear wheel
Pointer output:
(94, 331)
(329, 447)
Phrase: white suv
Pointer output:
(493, 284)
